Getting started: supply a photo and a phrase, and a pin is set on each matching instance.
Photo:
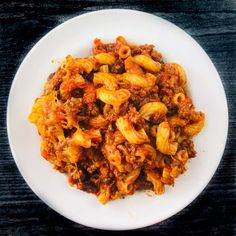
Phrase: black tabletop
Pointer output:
(211, 23)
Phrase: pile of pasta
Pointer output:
(117, 121)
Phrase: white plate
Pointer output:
(76, 37)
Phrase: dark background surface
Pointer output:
(211, 23)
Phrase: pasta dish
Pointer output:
(117, 121)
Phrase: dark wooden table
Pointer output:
(211, 23)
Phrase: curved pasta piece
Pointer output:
(181, 73)
(147, 63)
(124, 188)
(104, 68)
(112, 154)
(195, 128)
(89, 94)
(114, 98)
(94, 135)
(73, 153)
(82, 139)
(104, 195)
(178, 98)
(182, 156)
(124, 51)
(154, 178)
(132, 176)
(128, 131)
(151, 79)
(133, 79)
(45, 148)
(140, 155)
(151, 108)
(105, 58)
(125, 185)
(166, 176)
(37, 110)
(53, 81)
(176, 171)
(98, 121)
(119, 138)
(70, 84)
(88, 64)
(106, 79)
(146, 151)
(40, 111)
(56, 132)
(162, 140)
(132, 67)
(121, 40)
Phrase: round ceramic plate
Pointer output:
(75, 37)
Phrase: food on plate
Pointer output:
(117, 121)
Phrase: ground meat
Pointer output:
(152, 98)
(135, 118)
(137, 99)
(141, 183)
(131, 148)
(186, 108)
(136, 51)
(77, 93)
(114, 189)
(94, 109)
(144, 96)
(57, 86)
(123, 108)
(84, 111)
(88, 76)
(156, 56)
(84, 124)
(156, 119)
(107, 181)
(69, 132)
(90, 187)
(118, 67)
(109, 113)
(145, 49)
(189, 146)
(95, 176)
(73, 106)
(106, 47)
(172, 112)
(84, 164)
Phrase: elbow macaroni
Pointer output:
(128, 131)
(105, 59)
(133, 79)
(114, 98)
(106, 79)
(151, 108)
(163, 143)
(180, 72)
(147, 63)
(196, 127)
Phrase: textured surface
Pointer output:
(211, 23)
